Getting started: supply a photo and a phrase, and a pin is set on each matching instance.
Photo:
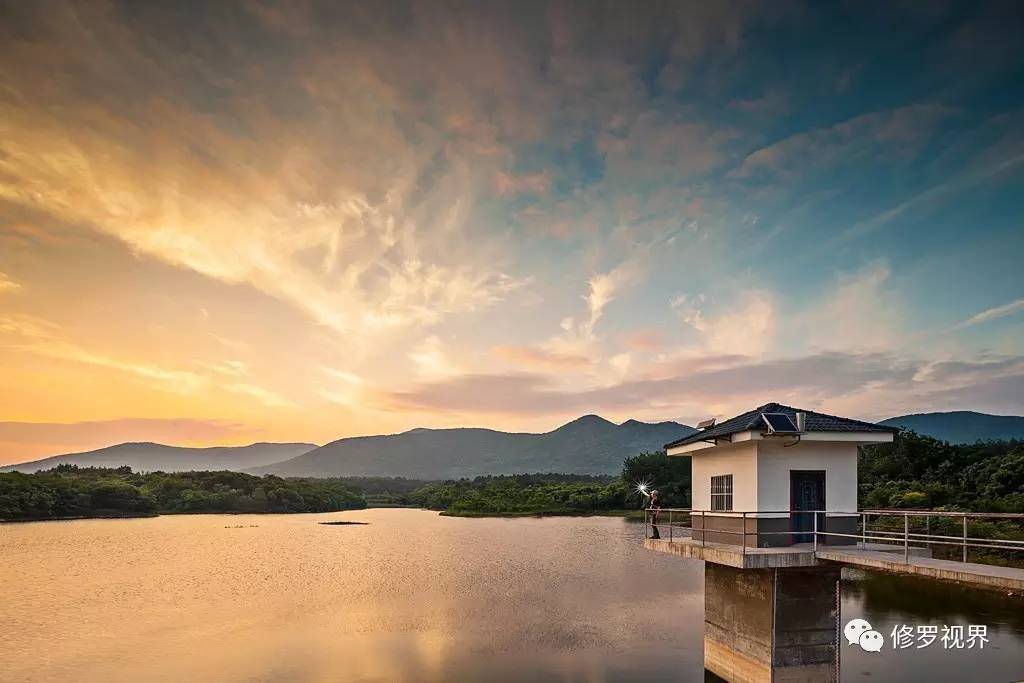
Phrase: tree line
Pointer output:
(912, 472)
(72, 491)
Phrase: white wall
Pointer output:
(839, 460)
(739, 460)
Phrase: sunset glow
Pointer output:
(299, 222)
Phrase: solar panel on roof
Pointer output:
(705, 424)
(779, 423)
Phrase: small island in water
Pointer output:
(342, 522)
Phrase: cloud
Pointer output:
(993, 385)
(811, 379)
(604, 286)
(231, 368)
(999, 393)
(340, 217)
(263, 395)
(431, 360)
(645, 339)
(992, 314)
(890, 135)
(924, 198)
(689, 360)
(689, 310)
(343, 387)
(774, 103)
(7, 284)
(129, 428)
(653, 147)
(508, 185)
(44, 338)
(602, 291)
(862, 311)
(21, 441)
(745, 326)
(347, 194)
(542, 359)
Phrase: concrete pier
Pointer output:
(879, 556)
(987, 576)
(771, 625)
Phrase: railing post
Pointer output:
(647, 519)
(864, 529)
(743, 521)
(906, 538)
(669, 526)
(928, 531)
(703, 528)
(815, 513)
(965, 538)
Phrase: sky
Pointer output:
(232, 222)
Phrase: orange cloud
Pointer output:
(508, 185)
(22, 441)
(533, 357)
(645, 339)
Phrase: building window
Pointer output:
(721, 492)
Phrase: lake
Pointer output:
(411, 596)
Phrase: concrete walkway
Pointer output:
(878, 556)
(733, 555)
(981, 575)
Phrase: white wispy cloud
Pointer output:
(7, 284)
(990, 314)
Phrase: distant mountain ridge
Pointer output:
(152, 457)
(962, 426)
(587, 445)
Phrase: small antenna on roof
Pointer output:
(706, 424)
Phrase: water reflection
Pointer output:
(410, 597)
(888, 601)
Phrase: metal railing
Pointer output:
(681, 520)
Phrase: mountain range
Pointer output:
(587, 445)
(962, 426)
(150, 457)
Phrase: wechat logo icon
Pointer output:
(859, 632)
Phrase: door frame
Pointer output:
(820, 478)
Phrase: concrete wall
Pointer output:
(738, 606)
(774, 462)
(806, 626)
(739, 460)
(721, 529)
(770, 625)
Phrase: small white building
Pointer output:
(777, 464)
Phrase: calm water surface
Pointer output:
(410, 597)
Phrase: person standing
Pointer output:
(655, 509)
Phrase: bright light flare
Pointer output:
(644, 487)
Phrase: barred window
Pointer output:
(721, 492)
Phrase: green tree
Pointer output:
(670, 475)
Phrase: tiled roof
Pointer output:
(751, 421)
